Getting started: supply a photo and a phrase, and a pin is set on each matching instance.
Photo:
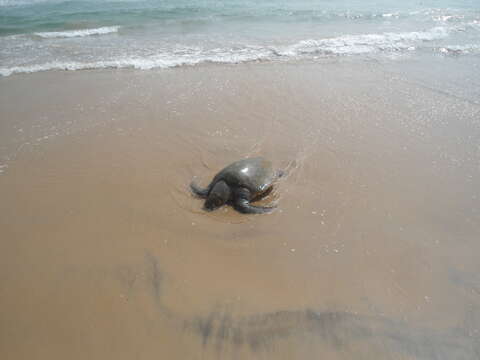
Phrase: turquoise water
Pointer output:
(38, 35)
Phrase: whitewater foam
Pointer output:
(460, 49)
(347, 45)
(146, 63)
(364, 43)
(78, 33)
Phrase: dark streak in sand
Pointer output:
(339, 331)
(154, 275)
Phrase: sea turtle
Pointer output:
(239, 183)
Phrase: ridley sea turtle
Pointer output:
(240, 183)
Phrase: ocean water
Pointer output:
(40, 35)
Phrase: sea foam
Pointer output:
(460, 49)
(346, 45)
(78, 33)
(364, 43)
(145, 63)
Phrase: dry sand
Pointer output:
(373, 252)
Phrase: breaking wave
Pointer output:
(145, 63)
(460, 49)
(347, 45)
(366, 43)
(78, 33)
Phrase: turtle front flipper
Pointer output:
(241, 203)
(243, 206)
(198, 190)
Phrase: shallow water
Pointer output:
(372, 253)
(78, 35)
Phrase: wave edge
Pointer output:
(78, 33)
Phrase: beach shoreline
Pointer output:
(372, 252)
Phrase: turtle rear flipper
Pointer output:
(198, 190)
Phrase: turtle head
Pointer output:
(218, 196)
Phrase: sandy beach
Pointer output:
(371, 254)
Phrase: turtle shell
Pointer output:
(255, 174)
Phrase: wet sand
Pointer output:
(373, 252)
